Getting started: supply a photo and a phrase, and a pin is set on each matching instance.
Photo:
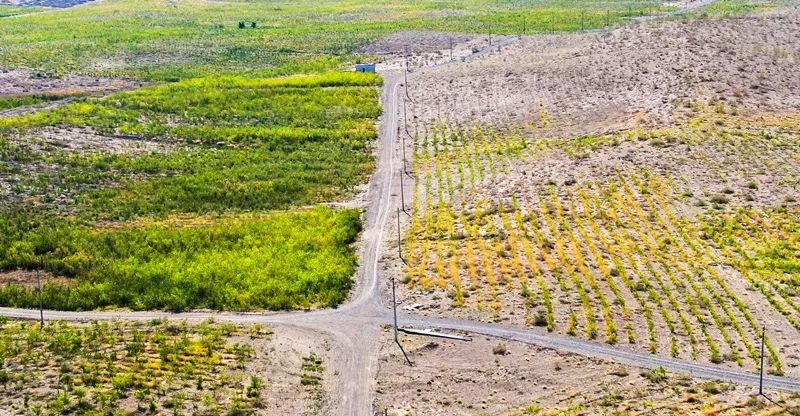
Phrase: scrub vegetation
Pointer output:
(167, 41)
(191, 223)
(275, 261)
(129, 368)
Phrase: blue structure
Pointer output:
(365, 68)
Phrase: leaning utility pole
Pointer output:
(396, 338)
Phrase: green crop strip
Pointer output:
(28, 100)
(278, 261)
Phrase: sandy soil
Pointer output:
(280, 363)
(489, 376)
(635, 76)
(652, 75)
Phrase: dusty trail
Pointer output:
(355, 326)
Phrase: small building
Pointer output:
(365, 68)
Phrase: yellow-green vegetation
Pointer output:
(14, 101)
(7, 10)
(242, 144)
(275, 261)
(658, 392)
(732, 8)
(127, 368)
(229, 152)
(158, 40)
(615, 257)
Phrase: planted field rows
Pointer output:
(620, 258)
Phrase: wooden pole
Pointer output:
(402, 194)
(41, 305)
(399, 241)
(582, 13)
(394, 310)
(405, 78)
(451, 48)
(761, 377)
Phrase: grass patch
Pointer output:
(7, 10)
(278, 261)
(27, 100)
(240, 144)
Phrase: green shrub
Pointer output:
(278, 261)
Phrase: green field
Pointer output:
(106, 220)
(7, 10)
(166, 197)
(277, 261)
(170, 40)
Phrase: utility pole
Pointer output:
(394, 313)
(405, 78)
(394, 310)
(402, 196)
(41, 306)
(403, 138)
(582, 13)
(761, 377)
(399, 241)
(451, 49)
(608, 21)
(524, 25)
(405, 121)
